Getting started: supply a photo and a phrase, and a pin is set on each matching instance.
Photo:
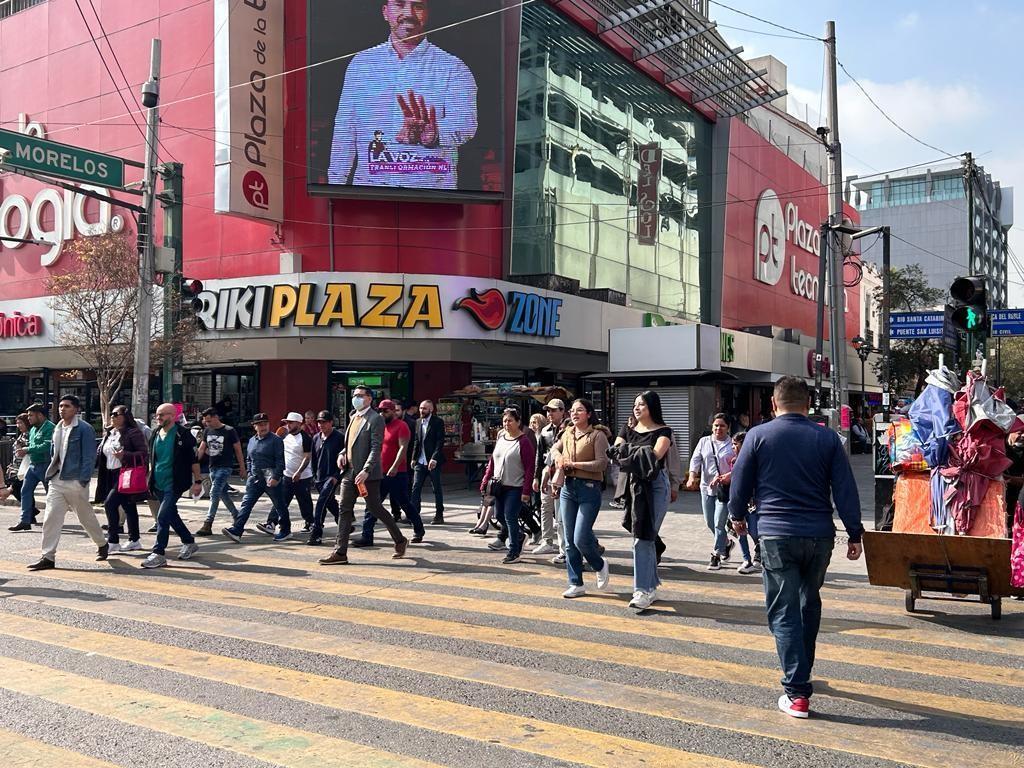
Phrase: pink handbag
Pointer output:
(132, 480)
(1017, 549)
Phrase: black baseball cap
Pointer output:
(37, 408)
(260, 417)
(324, 416)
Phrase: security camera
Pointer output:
(822, 131)
(150, 94)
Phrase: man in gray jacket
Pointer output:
(361, 475)
(72, 459)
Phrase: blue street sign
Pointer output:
(1007, 322)
(916, 325)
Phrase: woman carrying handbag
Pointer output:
(123, 458)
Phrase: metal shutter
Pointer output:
(675, 406)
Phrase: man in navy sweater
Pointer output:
(793, 469)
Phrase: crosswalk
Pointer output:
(254, 655)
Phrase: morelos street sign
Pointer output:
(61, 160)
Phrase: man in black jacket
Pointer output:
(172, 462)
(427, 458)
(327, 445)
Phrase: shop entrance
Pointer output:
(386, 380)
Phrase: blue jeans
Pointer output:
(166, 518)
(326, 501)
(397, 489)
(716, 514)
(33, 477)
(219, 477)
(645, 556)
(255, 487)
(508, 504)
(794, 570)
(752, 530)
(578, 505)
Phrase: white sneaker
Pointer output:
(547, 548)
(131, 546)
(559, 559)
(187, 550)
(497, 545)
(642, 600)
(748, 567)
(603, 577)
(154, 561)
(574, 591)
(113, 548)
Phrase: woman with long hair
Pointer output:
(509, 478)
(123, 445)
(581, 456)
(13, 482)
(649, 434)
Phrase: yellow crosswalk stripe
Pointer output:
(24, 752)
(217, 728)
(522, 734)
(883, 743)
(428, 578)
(759, 640)
(914, 701)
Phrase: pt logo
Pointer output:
(528, 314)
(255, 190)
(769, 239)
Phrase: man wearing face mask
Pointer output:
(265, 456)
(395, 483)
(360, 462)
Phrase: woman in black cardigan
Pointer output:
(123, 445)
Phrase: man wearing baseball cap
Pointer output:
(327, 446)
(555, 410)
(395, 483)
(265, 459)
(298, 475)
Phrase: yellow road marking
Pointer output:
(24, 752)
(758, 640)
(883, 743)
(522, 734)
(908, 700)
(429, 578)
(187, 720)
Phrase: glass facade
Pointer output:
(916, 191)
(583, 114)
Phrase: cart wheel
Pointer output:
(997, 608)
(909, 599)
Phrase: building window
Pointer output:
(11, 7)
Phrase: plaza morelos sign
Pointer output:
(64, 161)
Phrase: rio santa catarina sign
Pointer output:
(62, 160)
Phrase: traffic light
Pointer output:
(969, 304)
(190, 301)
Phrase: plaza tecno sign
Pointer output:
(54, 216)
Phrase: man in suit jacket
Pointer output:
(361, 469)
(427, 458)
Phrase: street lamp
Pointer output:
(864, 349)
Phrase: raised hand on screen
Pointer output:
(419, 121)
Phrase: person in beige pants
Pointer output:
(72, 460)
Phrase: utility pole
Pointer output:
(171, 199)
(143, 333)
(840, 381)
(971, 337)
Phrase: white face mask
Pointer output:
(358, 403)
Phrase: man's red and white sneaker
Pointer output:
(798, 707)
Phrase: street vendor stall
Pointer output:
(949, 456)
(472, 417)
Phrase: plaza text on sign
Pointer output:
(62, 160)
(647, 224)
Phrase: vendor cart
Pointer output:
(958, 566)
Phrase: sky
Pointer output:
(947, 72)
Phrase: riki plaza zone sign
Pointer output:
(53, 215)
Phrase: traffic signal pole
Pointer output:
(171, 199)
(143, 333)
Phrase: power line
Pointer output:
(769, 23)
(759, 32)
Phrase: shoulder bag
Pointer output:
(132, 478)
(721, 490)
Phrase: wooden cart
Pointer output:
(956, 565)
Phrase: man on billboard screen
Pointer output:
(406, 107)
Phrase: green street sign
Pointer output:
(61, 160)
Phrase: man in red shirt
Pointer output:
(396, 480)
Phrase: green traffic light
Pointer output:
(973, 319)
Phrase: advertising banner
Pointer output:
(647, 224)
(407, 96)
(249, 108)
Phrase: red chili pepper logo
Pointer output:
(487, 308)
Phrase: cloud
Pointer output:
(910, 20)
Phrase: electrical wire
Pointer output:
(766, 21)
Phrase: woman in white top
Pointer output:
(511, 466)
(712, 458)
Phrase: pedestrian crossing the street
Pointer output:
(254, 655)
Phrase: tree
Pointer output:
(96, 302)
(910, 361)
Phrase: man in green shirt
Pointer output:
(40, 438)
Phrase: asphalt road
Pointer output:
(254, 655)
